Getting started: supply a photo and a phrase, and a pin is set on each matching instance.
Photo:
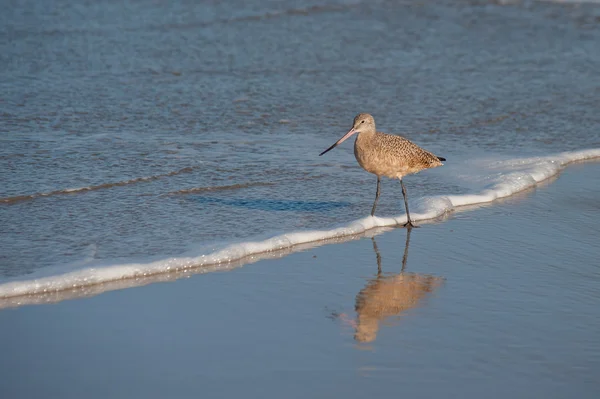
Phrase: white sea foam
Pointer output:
(512, 177)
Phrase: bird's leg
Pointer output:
(408, 224)
(376, 196)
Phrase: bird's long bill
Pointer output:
(350, 133)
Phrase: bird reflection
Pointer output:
(389, 295)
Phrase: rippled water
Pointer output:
(143, 129)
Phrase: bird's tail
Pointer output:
(441, 159)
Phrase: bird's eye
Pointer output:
(363, 122)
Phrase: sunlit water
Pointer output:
(141, 131)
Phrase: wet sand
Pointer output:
(500, 300)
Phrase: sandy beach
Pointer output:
(498, 300)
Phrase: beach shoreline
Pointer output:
(518, 302)
(87, 282)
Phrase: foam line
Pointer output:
(522, 174)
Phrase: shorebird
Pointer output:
(387, 155)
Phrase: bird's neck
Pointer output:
(364, 135)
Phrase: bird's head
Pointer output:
(363, 123)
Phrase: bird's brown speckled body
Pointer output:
(387, 155)
(391, 156)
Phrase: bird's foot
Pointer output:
(410, 225)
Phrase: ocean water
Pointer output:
(145, 137)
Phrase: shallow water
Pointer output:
(135, 131)
(499, 301)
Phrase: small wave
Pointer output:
(196, 190)
(21, 198)
(530, 172)
(572, 1)
(266, 15)
(87, 290)
(306, 11)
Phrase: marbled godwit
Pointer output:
(387, 155)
